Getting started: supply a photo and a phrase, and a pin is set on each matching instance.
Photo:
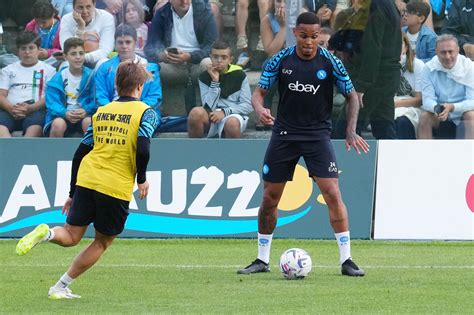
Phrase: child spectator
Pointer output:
(125, 41)
(45, 23)
(70, 95)
(135, 16)
(408, 97)
(422, 38)
(225, 95)
(22, 87)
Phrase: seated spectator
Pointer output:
(62, 6)
(324, 37)
(134, 16)
(225, 94)
(70, 99)
(324, 10)
(182, 54)
(448, 92)
(460, 23)
(45, 23)
(241, 17)
(125, 41)
(22, 87)
(422, 39)
(408, 97)
(94, 26)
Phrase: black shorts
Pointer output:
(283, 155)
(108, 213)
(71, 129)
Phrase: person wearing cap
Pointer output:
(125, 41)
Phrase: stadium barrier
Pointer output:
(198, 188)
(425, 190)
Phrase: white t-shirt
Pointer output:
(25, 83)
(72, 84)
(414, 78)
(182, 34)
(413, 38)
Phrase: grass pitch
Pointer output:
(199, 276)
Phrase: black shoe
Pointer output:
(349, 268)
(256, 266)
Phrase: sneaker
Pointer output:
(349, 268)
(61, 293)
(260, 44)
(31, 239)
(242, 42)
(256, 266)
(243, 59)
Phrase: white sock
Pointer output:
(48, 237)
(344, 242)
(264, 244)
(64, 281)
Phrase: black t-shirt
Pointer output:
(306, 92)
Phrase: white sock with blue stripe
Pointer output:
(264, 244)
(344, 242)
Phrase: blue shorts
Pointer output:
(35, 118)
(283, 155)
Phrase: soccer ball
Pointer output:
(295, 263)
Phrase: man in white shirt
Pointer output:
(96, 27)
(448, 92)
(180, 39)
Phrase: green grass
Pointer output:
(199, 276)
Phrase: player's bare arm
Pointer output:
(264, 115)
(352, 138)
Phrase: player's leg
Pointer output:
(322, 166)
(267, 219)
(279, 166)
(198, 122)
(340, 223)
(86, 259)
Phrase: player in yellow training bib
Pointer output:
(114, 150)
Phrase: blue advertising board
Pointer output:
(198, 188)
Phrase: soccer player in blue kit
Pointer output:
(305, 75)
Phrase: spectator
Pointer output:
(324, 9)
(135, 17)
(62, 6)
(45, 23)
(94, 26)
(408, 97)
(373, 60)
(460, 23)
(324, 37)
(182, 54)
(125, 42)
(225, 94)
(241, 17)
(422, 39)
(448, 92)
(70, 99)
(22, 87)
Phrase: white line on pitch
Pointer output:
(105, 265)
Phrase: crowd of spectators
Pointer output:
(410, 62)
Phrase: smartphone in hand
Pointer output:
(438, 109)
(172, 50)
